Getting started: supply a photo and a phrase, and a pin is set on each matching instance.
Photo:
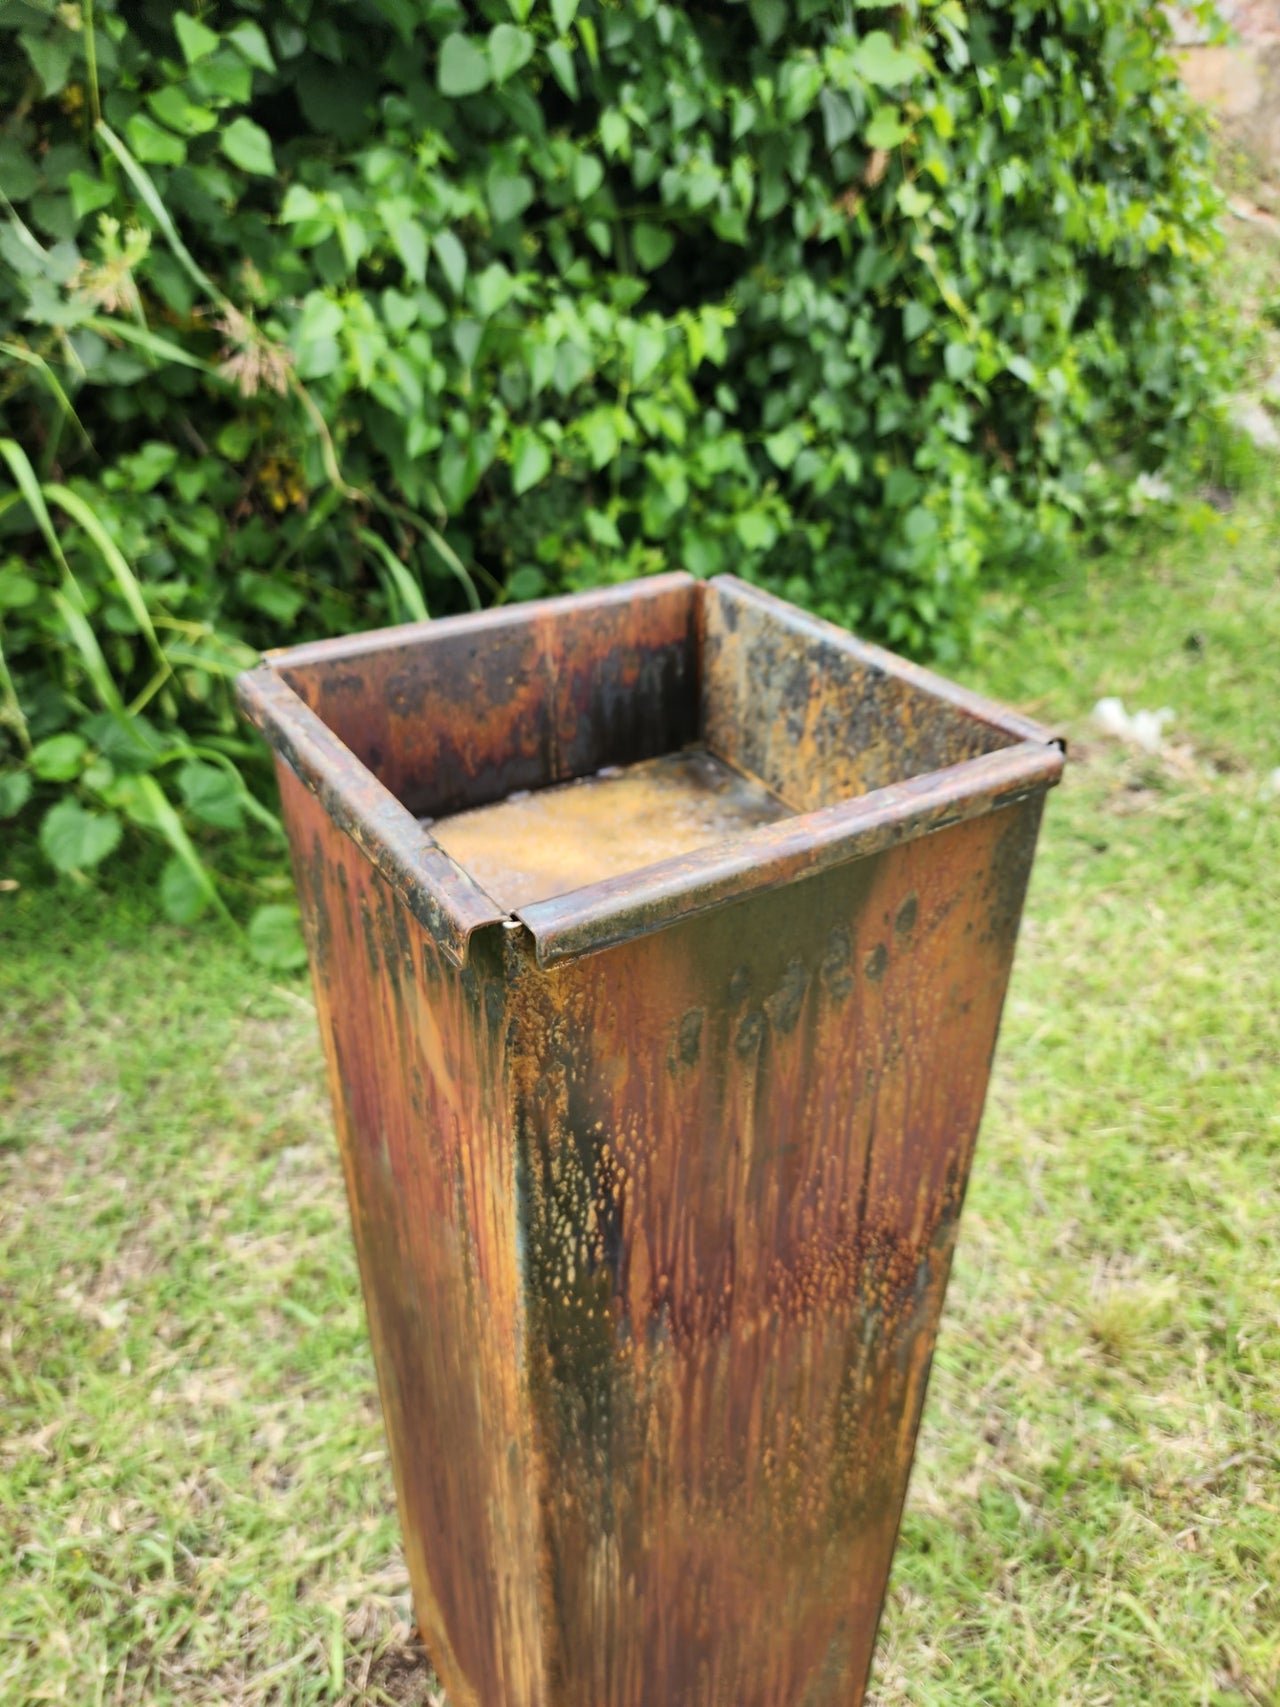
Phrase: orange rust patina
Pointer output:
(655, 1140)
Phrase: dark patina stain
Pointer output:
(785, 1004)
(689, 1037)
(406, 691)
(876, 962)
(750, 1032)
(837, 964)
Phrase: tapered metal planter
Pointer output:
(656, 1095)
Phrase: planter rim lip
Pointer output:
(452, 906)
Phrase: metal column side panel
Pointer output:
(416, 1054)
(744, 1140)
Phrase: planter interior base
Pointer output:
(546, 842)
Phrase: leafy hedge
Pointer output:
(315, 315)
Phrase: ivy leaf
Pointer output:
(171, 107)
(300, 204)
(248, 38)
(275, 938)
(915, 317)
(600, 432)
(838, 122)
(913, 202)
(452, 258)
(528, 582)
(398, 311)
(74, 839)
(58, 758)
(510, 193)
(959, 360)
(409, 241)
(652, 244)
(464, 68)
(588, 175)
(564, 12)
(88, 194)
(919, 525)
(730, 225)
(15, 791)
(647, 353)
(320, 318)
(769, 18)
(211, 794)
(152, 144)
(510, 49)
(467, 336)
(615, 132)
(565, 72)
(196, 40)
(248, 146)
(755, 529)
(886, 129)
(530, 462)
(493, 288)
(17, 588)
(783, 447)
(183, 897)
(50, 57)
(883, 64)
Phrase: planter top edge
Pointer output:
(451, 905)
(619, 909)
(446, 900)
(348, 646)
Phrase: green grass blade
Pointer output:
(449, 557)
(86, 644)
(407, 590)
(163, 349)
(170, 827)
(11, 711)
(91, 61)
(28, 484)
(151, 199)
(114, 558)
(439, 544)
(231, 667)
(31, 359)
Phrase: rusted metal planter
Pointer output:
(654, 1171)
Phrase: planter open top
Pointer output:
(784, 745)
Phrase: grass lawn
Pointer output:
(195, 1500)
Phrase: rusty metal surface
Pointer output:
(461, 712)
(743, 1145)
(655, 1196)
(416, 1054)
(821, 717)
(440, 895)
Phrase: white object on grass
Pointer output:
(1143, 729)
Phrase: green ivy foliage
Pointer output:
(320, 313)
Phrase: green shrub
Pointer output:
(320, 315)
